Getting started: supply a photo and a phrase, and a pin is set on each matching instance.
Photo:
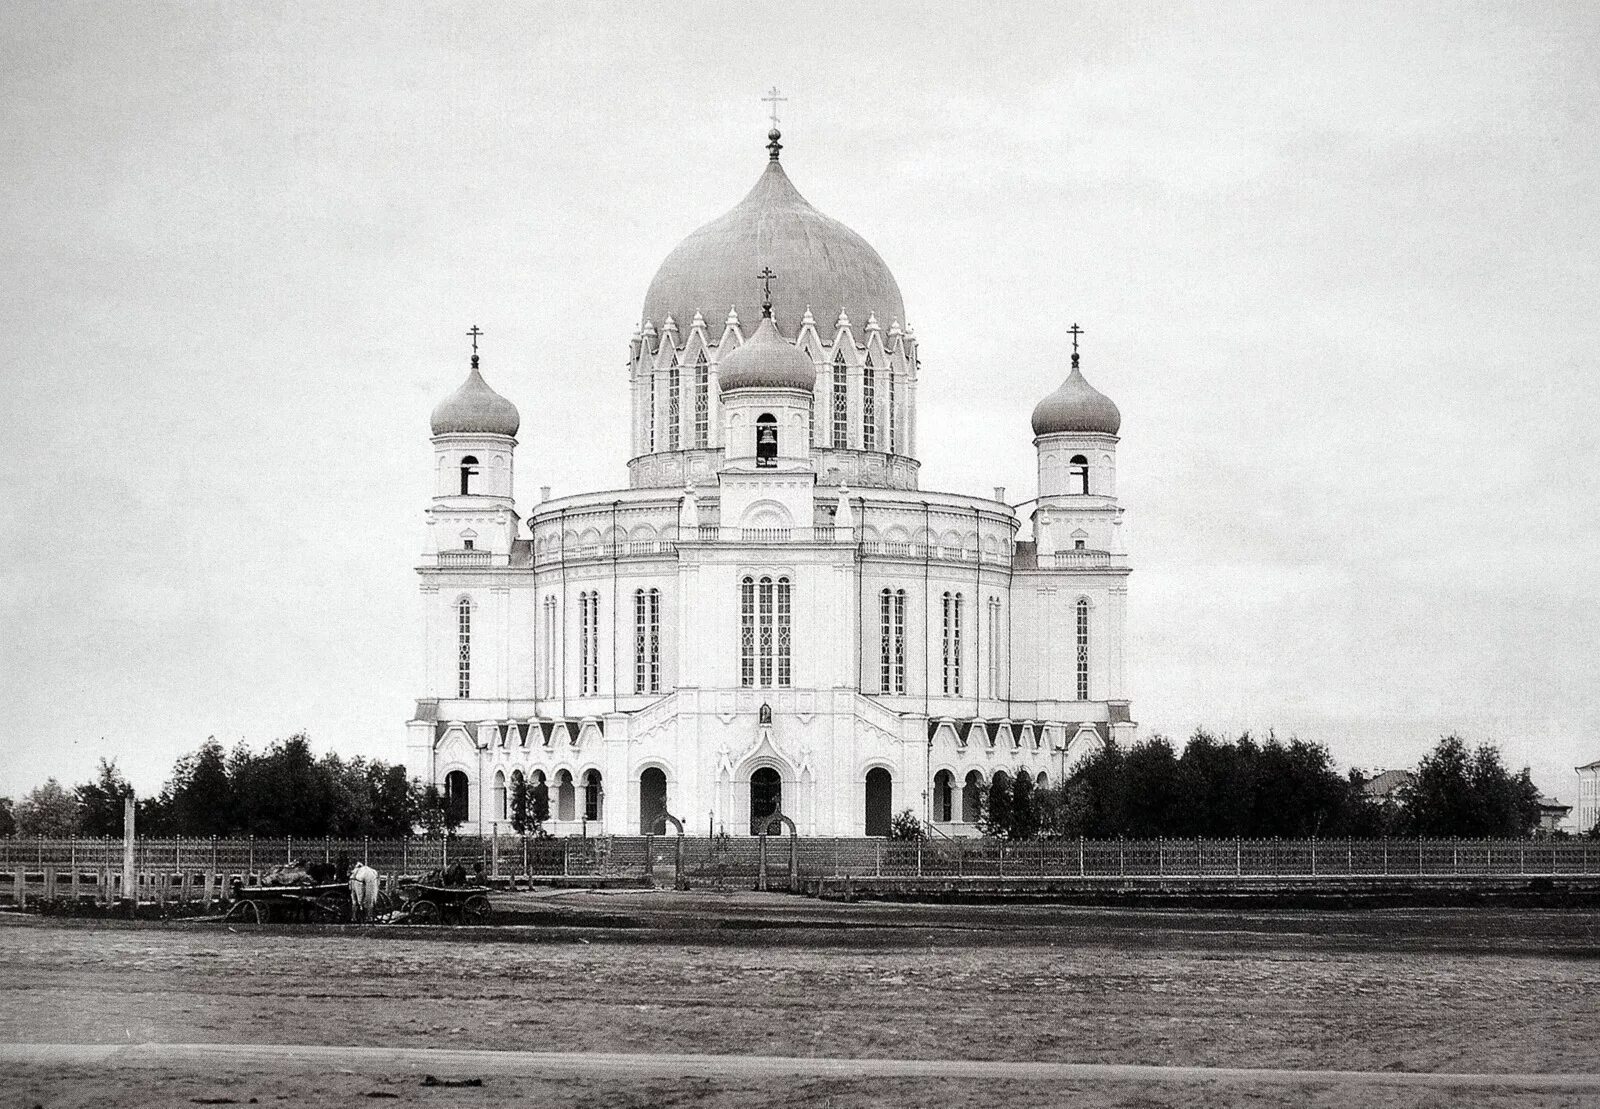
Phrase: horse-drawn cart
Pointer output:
(425, 903)
(316, 904)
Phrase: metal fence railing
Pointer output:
(725, 859)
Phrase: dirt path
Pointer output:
(206, 1058)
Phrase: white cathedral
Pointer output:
(772, 618)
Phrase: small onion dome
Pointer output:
(767, 361)
(1076, 406)
(476, 409)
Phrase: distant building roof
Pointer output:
(1550, 804)
(1595, 765)
(1383, 786)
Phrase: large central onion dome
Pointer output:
(821, 263)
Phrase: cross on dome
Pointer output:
(1074, 331)
(765, 277)
(475, 332)
(774, 99)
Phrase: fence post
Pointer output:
(74, 860)
(405, 854)
(761, 863)
(1313, 856)
(366, 850)
(678, 880)
(1161, 856)
(288, 849)
(1419, 854)
(128, 891)
(794, 862)
(1081, 871)
(1122, 861)
(919, 858)
(327, 849)
(961, 857)
(19, 880)
(49, 883)
(1455, 856)
(252, 866)
(566, 851)
(649, 856)
(1238, 856)
(877, 858)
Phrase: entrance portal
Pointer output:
(652, 800)
(766, 797)
(880, 800)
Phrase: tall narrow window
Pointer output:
(650, 408)
(952, 644)
(841, 404)
(893, 444)
(469, 470)
(765, 634)
(674, 416)
(994, 647)
(1083, 649)
(702, 402)
(589, 643)
(464, 648)
(647, 641)
(892, 648)
(869, 407)
(1078, 474)
(747, 632)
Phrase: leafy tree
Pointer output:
(996, 806)
(8, 818)
(540, 795)
(521, 805)
(47, 810)
(1024, 812)
(101, 802)
(433, 813)
(905, 827)
(1470, 794)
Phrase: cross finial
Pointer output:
(765, 277)
(1074, 331)
(475, 332)
(774, 99)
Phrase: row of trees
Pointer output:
(1221, 789)
(1213, 788)
(284, 790)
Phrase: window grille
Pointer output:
(892, 648)
(702, 403)
(464, 649)
(952, 644)
(673, 416)
(841, 405)
(647, 641)
(765, 634)
(588, 643)
(747, 632)
(869, 409)
(1083, 649)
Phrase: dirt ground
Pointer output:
(1465, 991)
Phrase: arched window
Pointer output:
(1078, 474)
(463, 648)
(952, 644)
(869, 407)
(650, 409)
(943, 796)
(764, 632)
(892, 641)
(702, 402)
(469, 470)
(593, 795)
(501, 810)
(841, 403)
(893, 441)
(972, 798)
(1083, 648)
(647, 641)
(766, 441)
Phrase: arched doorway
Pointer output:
(943, 796)
(652, 799)
(971, 798)
(566, 796)
(593, 796)
(455, 797)
(766, 797)
(880, 801)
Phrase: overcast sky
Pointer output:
(1337, 264)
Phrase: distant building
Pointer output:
(1588, 796)
(1384, 785)
(1551, 815)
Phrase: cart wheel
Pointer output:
(333, 909)
(245, 912)
(424, 911)
(476, 909)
